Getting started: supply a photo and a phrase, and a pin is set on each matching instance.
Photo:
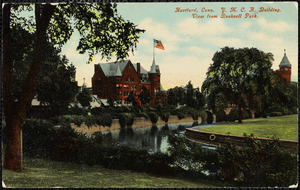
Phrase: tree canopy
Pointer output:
(102, 32)
(238, 77)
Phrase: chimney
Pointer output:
(138, 68)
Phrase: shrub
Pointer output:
(165, 116)
(107, 119)
(274, 114)
(142, 114)
(209, 118)
(123, 118)
(180, 115)
(258, 164)
(98, 110)
(77, 111)
(194, 114)
(67, 119)
(38, 138)
(153, 117)
(126, 119)
(123, 157)
(294, 110)
(203, 115)
(158, 164)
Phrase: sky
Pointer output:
(190, 43)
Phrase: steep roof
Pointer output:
(118, 73)
(113, 68)
(153, 67)
(285, 61)
(143, 71)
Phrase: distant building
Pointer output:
(116, 80)
(284, 71)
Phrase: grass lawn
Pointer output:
(45, 173)
(284, 127)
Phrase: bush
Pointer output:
(142, 114)
(209, 117)
(126, 119)
(77, 111)
(203, 115)
(274, 114)
(254, 164)
(153, 117)
(67, 119)
(38, 138)
(258, 164)
(180, 115)
(165, 116)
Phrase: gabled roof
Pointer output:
(143, 71)
(285, 61)
(113, 68)
(118, 73)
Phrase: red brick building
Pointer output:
(116, 80)
(284, 71)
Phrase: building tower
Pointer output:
(285, 69)
(154, 78)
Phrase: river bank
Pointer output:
(138, 123)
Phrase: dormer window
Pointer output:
(286, 69)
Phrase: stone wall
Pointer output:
(217, 139)
(138, 122)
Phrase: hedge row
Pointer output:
(253, 165)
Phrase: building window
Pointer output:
(286, 69)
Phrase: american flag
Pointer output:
(158, 44)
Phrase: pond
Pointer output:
(154, 139)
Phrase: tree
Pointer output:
(131, 98)
(84, 97)
(176, 96)
(144, 96)
(56, 86)
(102, 32)
(240, 77)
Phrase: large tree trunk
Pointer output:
(15, 112)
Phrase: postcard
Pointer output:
(150, 95)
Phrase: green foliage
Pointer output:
(180, 115)
(239, 76)
(153, 117)
(190, 96)
(144, 96)
(103, 119)
(275, 114)
(56, 85)
(165, 116)
(203, 115)
(84, 98)
(126, 119)
(254, 164)
(143, 114)
(67, 119)
(259, 164)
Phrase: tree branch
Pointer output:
(31, 80)
(7, 82)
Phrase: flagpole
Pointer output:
(153, 51)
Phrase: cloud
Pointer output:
(179, 70)
(160, 31)
(193, 27)
(278, 26)
(269, 39)
(245, 25)
(199, 51)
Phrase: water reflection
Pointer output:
(154, 139)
